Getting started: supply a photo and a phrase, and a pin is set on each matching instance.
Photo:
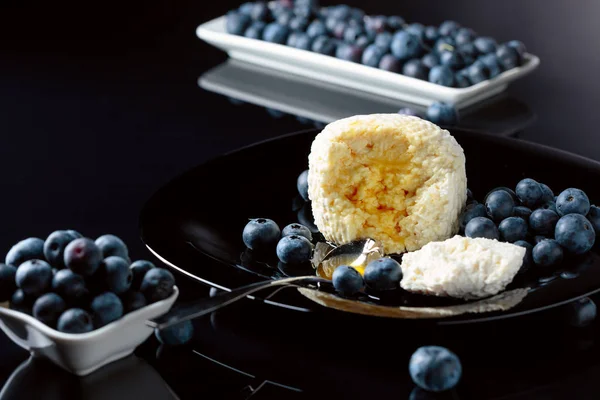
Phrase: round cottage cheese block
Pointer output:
(395, 178)
(462, 267)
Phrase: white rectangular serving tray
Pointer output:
(352, 75)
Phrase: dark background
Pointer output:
(99, 104)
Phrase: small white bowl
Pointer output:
(83, 353)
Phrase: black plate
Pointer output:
(198, 218)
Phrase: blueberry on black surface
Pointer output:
(442, 114)
(324, 45)
(529, 192)
(573, 232)
(405, 45)
(547, 194)
(543, 221)
(34, 277)
(261, 233)
(138, 270)
(528, 258)
(75, 320)
(415, 69)
(157, 284)
(175, 335)
(106, 308)
(547, 253)
(237, 23)
(133, 301)
(48, 307)
(441, 75)
(383, 274)
(69, 285)
(582, 312)
(21, 302)
(347, 281)
(572, 201)
(522, 212)
(594, 218)
(297, 229)
(485, 44)
(480, 227)
(513, 229)
(372, 56)
(294, 249)
(390, 63)
(27, 249)
(435, 368)
(7, 281)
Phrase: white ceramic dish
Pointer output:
(352, 75)
(84, 353)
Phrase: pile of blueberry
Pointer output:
(75, 285)
(531, 216)
(448, 54)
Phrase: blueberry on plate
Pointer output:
(112, 245)
(175, 335)
(302, 185)
(594, 218)
(528, 258)
(237, 23)
(261, 233)
(430, 60)
(27, 249)
(464, 35)
(492, 64)
(69, 285)
(444, 44)
(157, 284)
(441, 75)
(83, 256)
(21, 302)
(297, 229)
(573, 232)
(372, 56)
(452, 59)
(316, 28)
(294, 249)
(478, 210)
(275, 33)
(34, 277)
(522, 212)
(47, 308)
(572, 201)
(477, 72)
(415, 69)
(54, 247)
(106, 308)
(547, 253)
(435, 368)
(138, 270)
(431, 34)
(529, 192)
(347, 281)
(117, 275)
(383, 274)
(383, 40)
(349, 52)
(461, 79)
(504, 188)
(485, 44)
(442, 114)
(543, 221)
(581, 312)
(324, 45)
(449, 28)
(539, 238)
(481, 227)
(390, 63)
(508, 57)
(7, 281)
(75, 320)
(405, 45)
(547, 194)
(549, 205)
(132, 301)
(513, 229)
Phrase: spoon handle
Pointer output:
(207, 305)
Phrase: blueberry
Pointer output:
(157, 284)
(34, 277)
(415, 69)
(481, 227)
(492, 64)
(372, 56)
(430, 60)
(395, 22)
(573, 232)
(48, 308)
(485, 44)
(106, 308)
(464, 35)
(300, 41)
(499, 205)
(133, 301)
(324, 45)
(303, 10)
(547, 253)
(442, 114)
(74, 233)
(255, 30)
(70, 286)
(7, 281)
(294, 249)
(177, 334)
(21, 302)
(330, 23)
(54, 247)
(83, 256)
(298, 24)
(582, 312)
(112, 245)
(298, 230)
(435, 368)
(513, 229)
(302, 185)
(405, 45)
(504, 188)
(237, 23)
(468, 51)
(528, 258)
(138, 271)
(275, 33)
(390, 63)
(522, 212)
(431, 34)
(543, 221)
(594, 218)
(520, 48)
(461, 79)
(449, 28)
(416, 29)
(75, 320)
(363, 41)
(261, 233)
(383, 40)
(547, 194)
(572, 201)
(349, 52)
(408, 111)
(508, 57)
(27, 249)
(452, 59)
(352, 33)
(316, 28)
(444, 44)
(339, 29)
(529, 192)
(477, 73)
(383, 274)
(116, 274)
(441, 75)
(284, 17)
(246, 8)
(260, 11)
(347, 281)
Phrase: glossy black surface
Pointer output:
(100, 107)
